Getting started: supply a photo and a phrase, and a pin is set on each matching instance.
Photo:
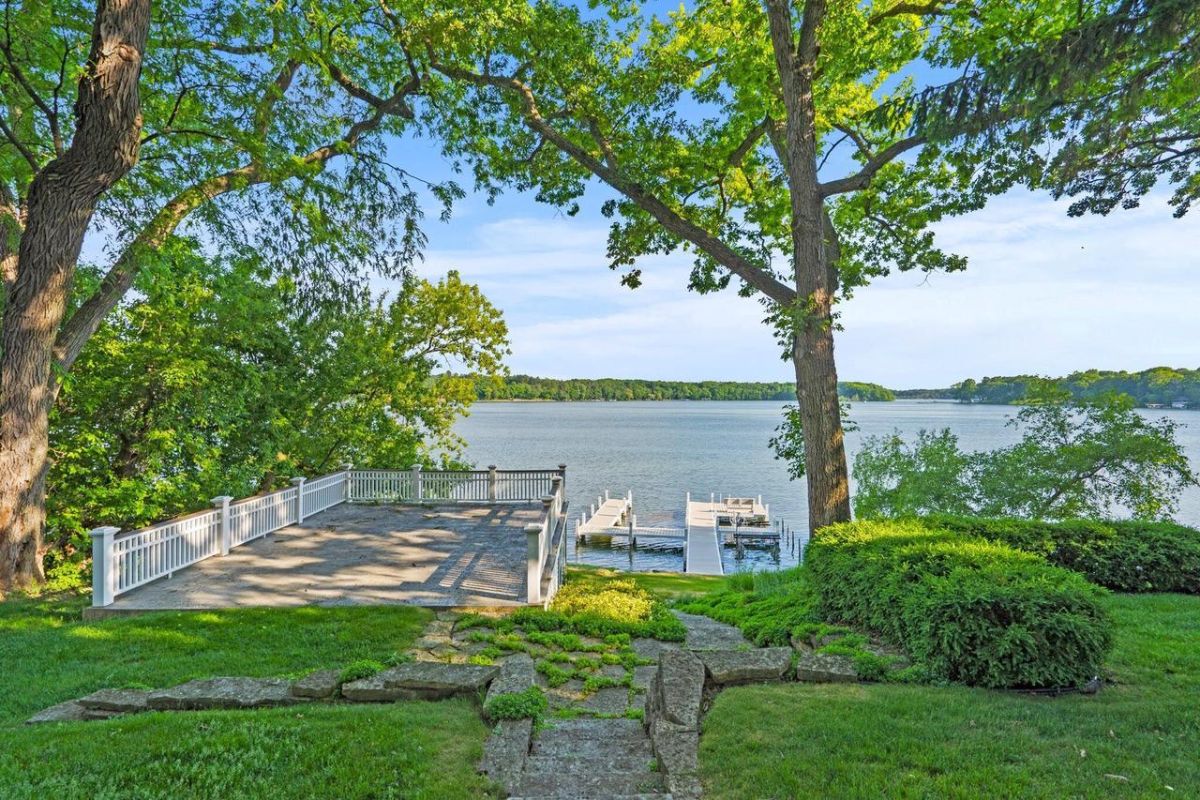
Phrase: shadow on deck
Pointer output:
(352, 554)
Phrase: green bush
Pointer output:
(1124, 555)
(529, 704)
(767, 607)
(969, 610)
(357, 670)
(586, 606)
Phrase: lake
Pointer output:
(662, 450)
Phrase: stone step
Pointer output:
(650, 796)
(591, 763)
(600, 785)
(576, 738)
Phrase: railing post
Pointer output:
(533, 563)
(348, 494)
(222, 503)
(557, 489)
(416, 482)
(493, 483)
(562, 471)
(104, 568)
(299, 484)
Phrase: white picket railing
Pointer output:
(125, 561)
(545, 545)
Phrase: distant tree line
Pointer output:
(1158, 386)
(527, 387)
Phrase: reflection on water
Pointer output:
(662, 450)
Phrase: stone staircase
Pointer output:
(597, 759)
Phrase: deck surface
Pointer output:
(456, 555)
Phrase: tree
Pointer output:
(53, 216)
(717, 129)
(1114, 96)
(247, 108)
(1075, 459)
(214, 381)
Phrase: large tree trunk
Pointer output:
(61, 201)
(812, 349)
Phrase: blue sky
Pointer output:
(1045, 293)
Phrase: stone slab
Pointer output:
(434, 680)
(678, 690)
(129, 701)
(726, 667)
(823, 668)
(223, 693)
(505, 752)
(318, 685)
(516, 675)
(704, 633)
(609, 700)
(70, 711)
(653, 648)
(372, 690)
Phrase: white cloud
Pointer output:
(1044, 293)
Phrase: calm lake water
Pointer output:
(662, 450)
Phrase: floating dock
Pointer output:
(708, 525)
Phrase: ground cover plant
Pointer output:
(969, 610)
(1137, 738)
(410, 750)
(1124, 555)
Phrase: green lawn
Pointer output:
(667, 585)
(1135, 739)
(409, 750)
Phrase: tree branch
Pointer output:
(679, 226)
(862, 178)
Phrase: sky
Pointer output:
(1045, 293)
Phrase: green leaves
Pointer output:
(217, 381)
(1088, 458)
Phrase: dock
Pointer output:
(708, 526)
(608, 516)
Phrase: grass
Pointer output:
(664, 585)
(1139, 736)
(409, 750)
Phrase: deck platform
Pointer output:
(430, 555)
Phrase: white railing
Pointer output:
(125, 561)
(545, 545)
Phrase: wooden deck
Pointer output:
(452, 555)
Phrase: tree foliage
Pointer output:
(214, 383)
(1113, 98)
(1155, 386)
(1091, 458)
(528, 387)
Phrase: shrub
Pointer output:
(602, 609)
(528, 704)
(767, 607)
(967, 609)
(357, 670)
(1124, 555)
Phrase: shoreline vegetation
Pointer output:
(530, 388)
(1157, 388)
